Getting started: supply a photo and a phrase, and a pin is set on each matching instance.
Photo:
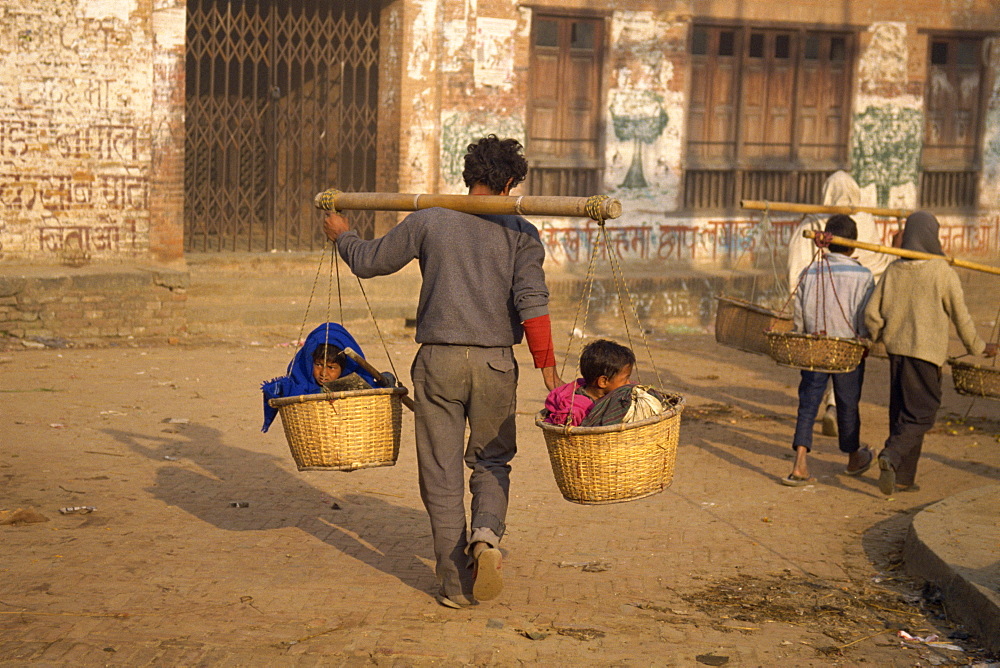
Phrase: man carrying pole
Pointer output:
(483, 289)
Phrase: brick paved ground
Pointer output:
(725, 563)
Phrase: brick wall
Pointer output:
(91, 130)
(86, 304)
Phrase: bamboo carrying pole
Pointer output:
(763, 205)
(902, 252)
(598, 207)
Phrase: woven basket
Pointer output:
(975, 380)
(741, 325)
(343, 431)
(812, 352)
(621, 462)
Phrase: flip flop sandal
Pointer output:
(489, 580)
(867, 465)
(792, 480)
(454, 602)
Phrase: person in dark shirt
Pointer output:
(483, 289)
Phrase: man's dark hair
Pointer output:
(604, 358)
(329, 353)
(841, 225)
(493, 162)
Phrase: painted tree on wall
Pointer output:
(638, 116)
(886, 148)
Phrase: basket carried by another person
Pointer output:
(343, 431)
(334, 416)
(975, 380)
(813, 352)
(614, 463)
(741, 325)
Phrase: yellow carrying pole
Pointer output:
(598, 207)
(761, 205)
(902, 252)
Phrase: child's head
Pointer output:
(606, 365)
(841, 225)
(328, 363)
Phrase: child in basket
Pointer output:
(603, 395)
(329, 362)
(319, 365)
(830, 300)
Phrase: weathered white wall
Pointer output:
(76, 101)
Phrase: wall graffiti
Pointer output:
(714, 241)
(727, 242)
(59, 238)
(60, 192)
(104, 142)
(637, 116)
(646, 109)
(76, 143)
(886, 148)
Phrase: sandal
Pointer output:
(489, 580)
(793, 480)
(861, 469)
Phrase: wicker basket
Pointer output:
(343, 431)
(740, 324)
(621, 462)
(812, 352)
(975, 380)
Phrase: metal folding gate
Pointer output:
(281, 104)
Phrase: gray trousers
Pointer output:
(452, 386)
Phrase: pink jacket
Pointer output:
(566, 407)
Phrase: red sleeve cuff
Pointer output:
(538, 332)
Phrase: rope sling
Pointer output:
(351, 429)
(816, 351)
(619, 462)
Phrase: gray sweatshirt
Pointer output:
(482, 275)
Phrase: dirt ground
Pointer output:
(725, 567)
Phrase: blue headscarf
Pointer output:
(298, 379)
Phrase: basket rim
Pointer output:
(955, 362)
(867, 343)
(676, 409)
(328, 396)
(750, 306)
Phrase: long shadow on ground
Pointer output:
(376, 532)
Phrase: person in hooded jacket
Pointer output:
(909, 311)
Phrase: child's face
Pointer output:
(603, 384)
(326, 370)
(619, 379)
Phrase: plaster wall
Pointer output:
(466, 75)
(91, 130)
